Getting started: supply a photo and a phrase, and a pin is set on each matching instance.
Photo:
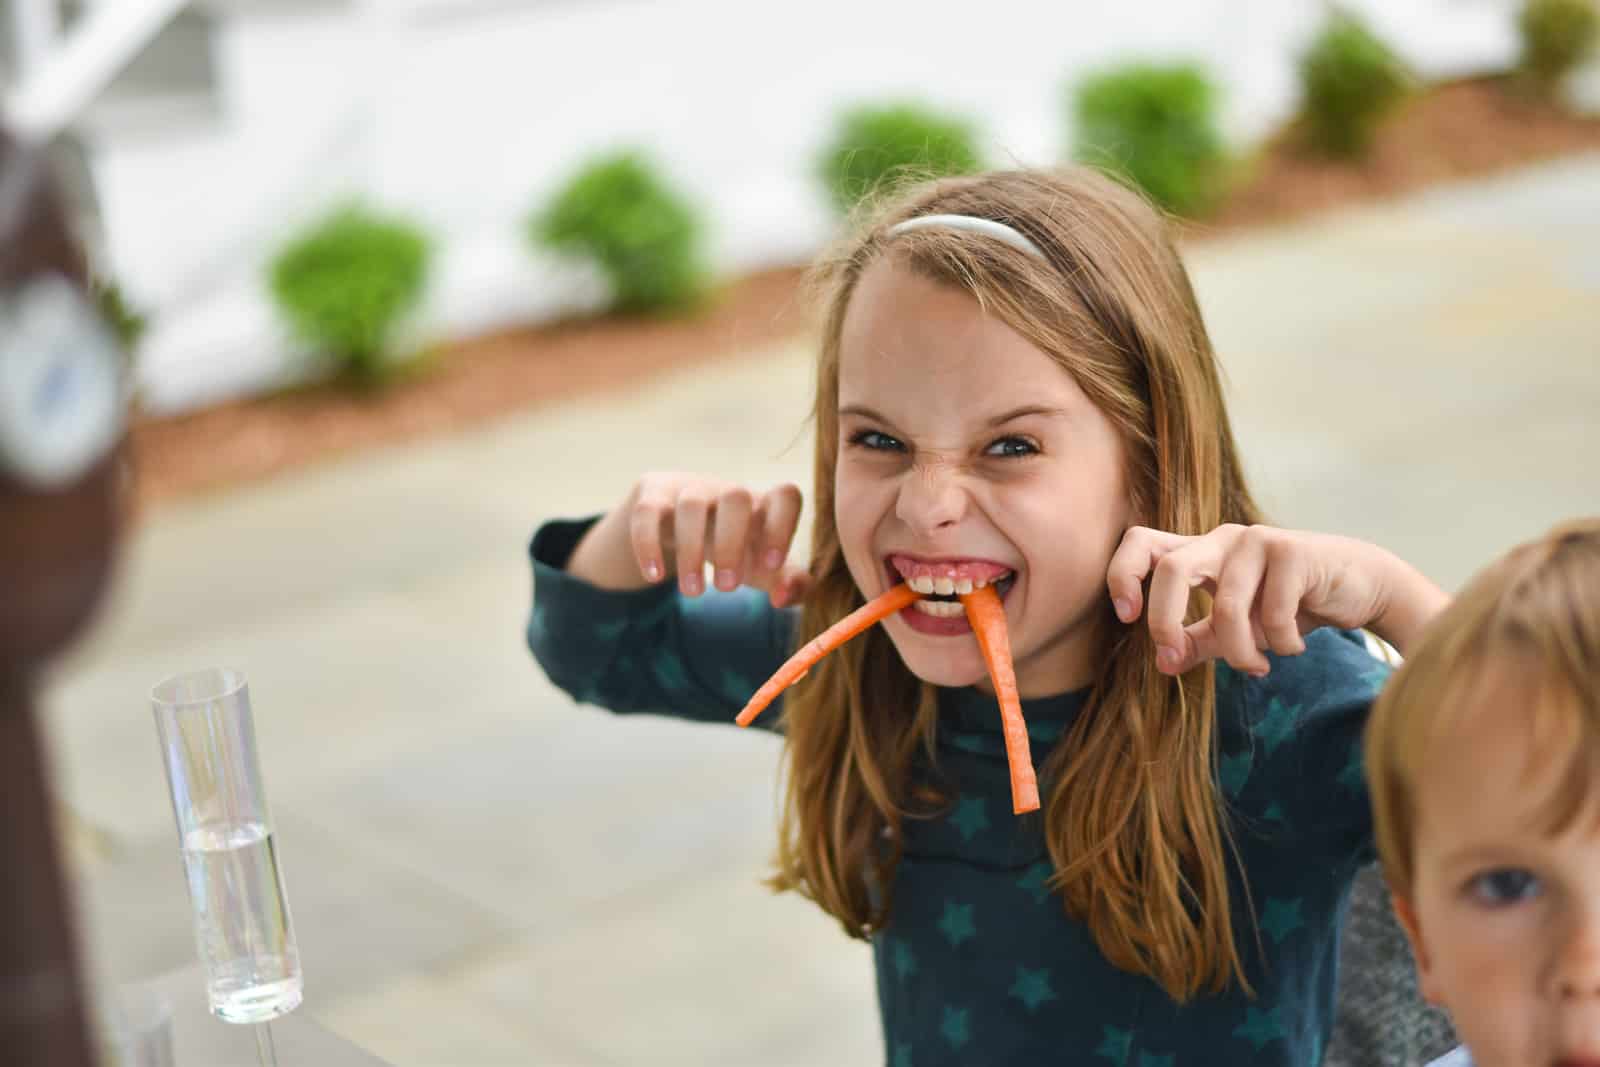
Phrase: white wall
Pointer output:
(465, 114)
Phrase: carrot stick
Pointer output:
(858, 621)
(988, 618)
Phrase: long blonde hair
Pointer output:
(1132, 816)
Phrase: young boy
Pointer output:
(1483, 753)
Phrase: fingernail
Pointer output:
(1259, 672)
(1167, 658)
(726, 579)
(773, 559)
(691, 584)
(652, 571)
(1123, 607)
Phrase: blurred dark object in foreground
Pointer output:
(57, 542)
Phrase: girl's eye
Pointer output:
(1010, 447)
(1507, 885)
(874, 441)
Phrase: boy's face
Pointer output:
(966, 452)
(1504, 916)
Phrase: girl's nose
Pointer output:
(931, 498)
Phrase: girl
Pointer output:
(1015, 388)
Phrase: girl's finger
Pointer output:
(644, 531)
(780, 509)
(1233, 605)
(1175, 574)
(1136, 556)
(1288, 578)
(790, 585)
(1198, 644)
(730, 532)
(689, 520)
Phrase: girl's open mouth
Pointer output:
(941, 583)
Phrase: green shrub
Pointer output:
(346, 282)
(1557, 35)
(645, 236)
(1349, 80)
(874, 148)
(1155, 127)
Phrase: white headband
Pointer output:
(972, 224)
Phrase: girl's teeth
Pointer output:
(928, 585)
(945, 609)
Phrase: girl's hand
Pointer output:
(676, 522)
(1268, 587)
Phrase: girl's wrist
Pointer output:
(1411, 601)
(603, 557)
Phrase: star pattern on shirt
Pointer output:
(905, 961)
(608, 630)
(1282, 918)
(1116, 1044)
(956, 923)
(669, 671)
(589, 692)
(1150, 1059)
(1274, 813)
(736, 685)
(902, 1055)
(970, 817)
(954, 1026)
(1277, 724)
(658, 612)
(1354, 775)
(1377, 674)
(1234, 771)
(1260, 1028)
(1033, 987)
(1036, 880)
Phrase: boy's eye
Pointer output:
(1504, 886)
(1012, 446)
(877, 442)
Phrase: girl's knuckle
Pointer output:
(1229, 607)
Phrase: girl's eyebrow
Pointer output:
(999, 420)
(1026, 410)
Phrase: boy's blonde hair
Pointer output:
(1536, 613)
(1132, 815)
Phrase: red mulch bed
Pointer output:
(1457, 130)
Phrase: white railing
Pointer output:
(65, 79)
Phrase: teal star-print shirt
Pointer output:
(979, 961)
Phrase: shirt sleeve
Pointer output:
(651, 650)
(1301, 753)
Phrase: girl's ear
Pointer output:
(1427, 980)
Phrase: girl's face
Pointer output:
(966, 454)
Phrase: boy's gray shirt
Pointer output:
(1380, 1018)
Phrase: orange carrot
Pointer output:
(988, 618)
(802, 661)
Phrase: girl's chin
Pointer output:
(952, 668)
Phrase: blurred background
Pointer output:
(401, 279)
